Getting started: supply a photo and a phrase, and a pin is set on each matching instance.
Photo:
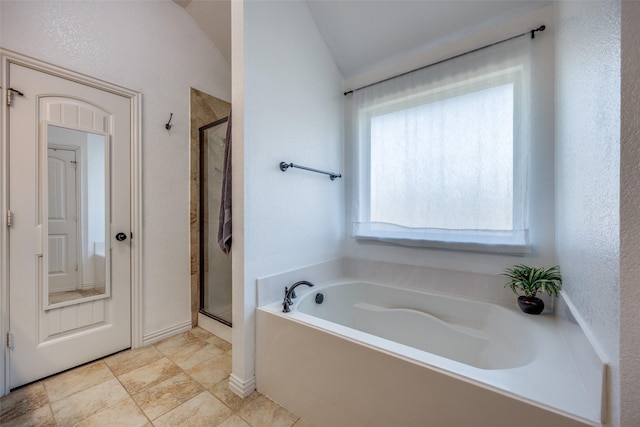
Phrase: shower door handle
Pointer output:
(121, 237)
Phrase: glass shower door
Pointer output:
(215, 266)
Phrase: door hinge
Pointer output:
(10, 92)
(9, 218)
(9, 340)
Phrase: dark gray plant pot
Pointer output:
(530, 305)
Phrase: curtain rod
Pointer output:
(533, 36)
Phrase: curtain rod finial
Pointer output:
(540, 28)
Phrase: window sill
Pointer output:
(513, 243)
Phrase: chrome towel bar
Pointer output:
(284, 166)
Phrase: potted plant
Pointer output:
(530, 281)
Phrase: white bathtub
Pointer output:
(375, 355)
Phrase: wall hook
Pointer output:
(168, 126)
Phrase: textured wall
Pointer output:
(588, 168)
(153, 47)
(290, 107)
(630, 217)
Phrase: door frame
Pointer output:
(8, 57)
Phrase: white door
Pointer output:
(51, 336)
(63, 216)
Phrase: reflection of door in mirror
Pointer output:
(63, 212)
(76, 206)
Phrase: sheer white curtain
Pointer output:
(441, 154)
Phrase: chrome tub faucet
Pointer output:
(290, 293)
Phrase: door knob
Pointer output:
(120, 237)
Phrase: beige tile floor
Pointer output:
(181, 381)
(56, 297)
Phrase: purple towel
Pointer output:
(224, 218)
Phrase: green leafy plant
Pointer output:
(531, 280)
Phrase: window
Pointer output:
(441, 157)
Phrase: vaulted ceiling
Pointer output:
(364, 33)
(214, 18)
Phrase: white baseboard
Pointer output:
(216, 328)
(242, 388)
(165, 333)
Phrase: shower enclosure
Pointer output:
(215, 266)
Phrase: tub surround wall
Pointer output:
(588, 171)
(154, 48)
(289, 104)
(271, 288)
(483, 287)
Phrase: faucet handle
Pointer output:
(285, 307)
(287, 297)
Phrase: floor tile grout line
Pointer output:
(150, 386)
(178, 405)
(220, 400)
(80, 391)
(129, 394)
(102, 409)
(208, 390)
(49, 378)
(188, 400)
(18, 415)
(55, 422)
